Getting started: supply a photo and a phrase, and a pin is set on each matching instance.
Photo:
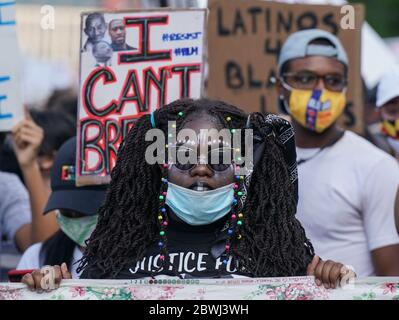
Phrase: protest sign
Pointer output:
(11, 108)
(131, 63)
(244, 41)
(174, 288)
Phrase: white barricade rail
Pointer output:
(290, 288)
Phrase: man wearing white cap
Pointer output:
(388, 105)
(347, 186)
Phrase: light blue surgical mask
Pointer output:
(200, 207)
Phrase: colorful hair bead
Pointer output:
(239, 223)
(230, 231)
(160, 243)
(162, 233)
(180, 113)
(239, 193)
(161, 197)
(160, 217)
(228, 119)
(152, 119)
(233, 217)
(163, 209)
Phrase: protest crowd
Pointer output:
(78, 193)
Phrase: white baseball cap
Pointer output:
(388, 87)
(298, 45)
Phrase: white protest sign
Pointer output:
(11, 109)
(131, 64)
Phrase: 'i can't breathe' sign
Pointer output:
(131, 63)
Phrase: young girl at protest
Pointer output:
(202, 219)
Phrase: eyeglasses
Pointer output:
(214, 159)
(308, 81)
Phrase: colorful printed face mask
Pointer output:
(390, 128)
(77, 229)
(316, 109)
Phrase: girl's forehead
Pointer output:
(198, 121)
(203, 129)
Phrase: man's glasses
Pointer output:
(308, 81)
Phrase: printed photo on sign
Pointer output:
(132, 63)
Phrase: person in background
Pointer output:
(57, 127)
(15, 212)
(36, 141)
(347, 186)
(388, 106)
(76, 216)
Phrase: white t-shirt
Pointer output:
(346, 201)
(30, 259)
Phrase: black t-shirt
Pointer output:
(194, 252)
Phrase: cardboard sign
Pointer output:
(11, 108)
(244, 41)
(131, 63)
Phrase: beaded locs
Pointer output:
(263, 235)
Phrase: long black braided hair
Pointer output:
(265, 238)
